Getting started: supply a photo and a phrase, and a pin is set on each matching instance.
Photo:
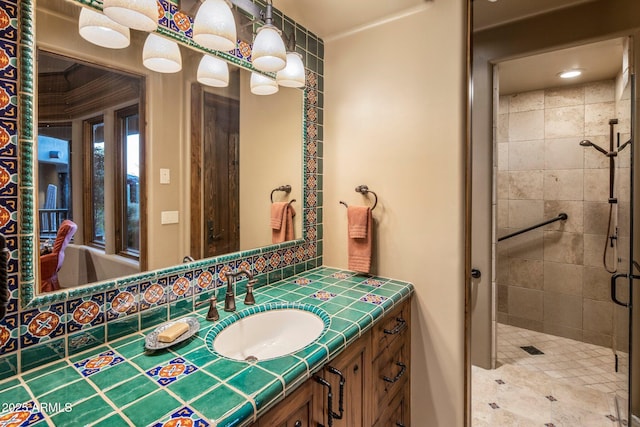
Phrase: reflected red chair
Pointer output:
(50, 263)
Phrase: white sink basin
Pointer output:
(267, 331)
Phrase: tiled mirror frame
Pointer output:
(21, 346)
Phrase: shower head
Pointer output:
(587, 143)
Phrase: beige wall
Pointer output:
(394, 111)
(270, 156)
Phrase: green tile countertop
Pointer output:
(119, 384)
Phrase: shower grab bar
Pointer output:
(561, 217)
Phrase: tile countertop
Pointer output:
(118, 384)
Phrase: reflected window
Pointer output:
(129, 181)
(96, 223)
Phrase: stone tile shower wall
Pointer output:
(552, 279)
(69, 322)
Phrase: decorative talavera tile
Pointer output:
(312, 79)
(243, 50)
(41, 324)
(12, 304)
(8, 215)
(373, 299)
(288, 257)
(300, 253)
(181, 23)
(259, 264)
(182, 417)
(27, 414)
(8, 54)
(8, 21)
(373, 282)
(274, 260)
(244, 265)
(323, 295)
(152, 294)
(180, 286)
(163, 13)
(303, 281)
(172, 371)
(340, 275)
(122, 302)
(205, 279)
(8, 99)
(8, 138)
(9, 334)
(83, 313)
(221, 271)
(93, 365)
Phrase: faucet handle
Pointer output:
(248, 298)
(212, 314)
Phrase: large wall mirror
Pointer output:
(140, 170)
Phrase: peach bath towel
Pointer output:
(360, 226)
(282, 214)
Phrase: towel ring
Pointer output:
(285, 188)
(363, 189)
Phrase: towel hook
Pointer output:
(285, 188)
(363, 189)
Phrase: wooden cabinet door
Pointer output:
(355, 366)
(300, 409)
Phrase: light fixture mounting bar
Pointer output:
(249, 7)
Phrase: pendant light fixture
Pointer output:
(161, 54)
(213, 71)
(214, 26)
(293, 74)
(269, 53)
(136, 14)
(101, 30)
(262, 85)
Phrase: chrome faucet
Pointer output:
(229, 299)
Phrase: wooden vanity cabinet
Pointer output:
(376, 392)
(300, 409)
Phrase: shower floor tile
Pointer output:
(571, 384)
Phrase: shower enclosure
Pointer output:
(563, 219)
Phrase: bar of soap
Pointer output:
(172, 332)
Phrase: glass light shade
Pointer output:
(262, 85)
(101, 30)
(293, 74)
(213, 71)
(269, 53)
(137, 14)
(214, 26)
(161, 55)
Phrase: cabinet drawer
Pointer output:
(397, 413)
(393, 326)
(391, 373)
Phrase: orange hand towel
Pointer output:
(282, 222)
(360, 224)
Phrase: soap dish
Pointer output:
(151, 340)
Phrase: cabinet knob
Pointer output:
(355, 368)
(298, 423)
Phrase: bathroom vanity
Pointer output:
(366, 340)
(374, 372)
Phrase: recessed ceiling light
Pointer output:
(570, 74)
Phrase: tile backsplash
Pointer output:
(61, 327)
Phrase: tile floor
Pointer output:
(572, 384)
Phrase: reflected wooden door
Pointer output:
(221, 191)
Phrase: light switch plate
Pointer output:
(165, 176)
(169, 217)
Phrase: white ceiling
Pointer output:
(488, 14)
(598, 61)
(332, 18)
